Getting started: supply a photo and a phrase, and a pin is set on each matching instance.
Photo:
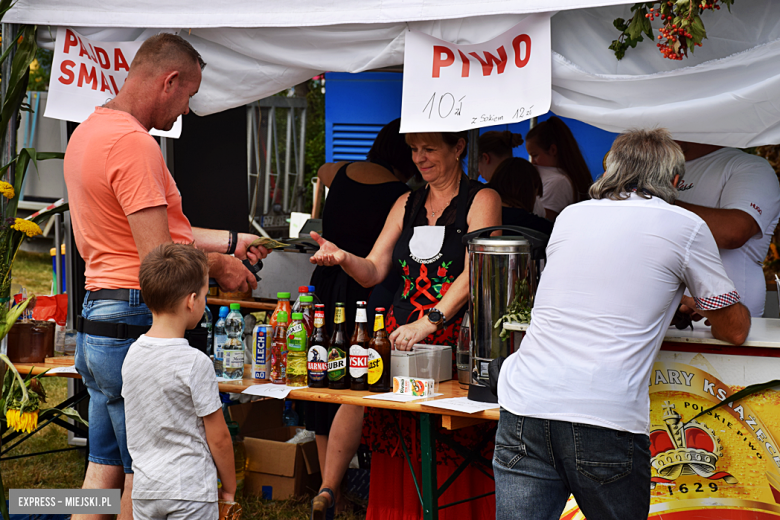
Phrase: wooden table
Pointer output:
(450, 420)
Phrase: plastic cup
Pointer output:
(427, 359)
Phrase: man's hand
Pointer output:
(230, 273)
(244, 248)
(730, 324)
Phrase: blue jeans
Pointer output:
(99, 361)
(538, 463)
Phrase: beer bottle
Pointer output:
(379, 356)
(358, 350)
(338, 353)
(317, 362)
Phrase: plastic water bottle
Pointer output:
(233, 349)
(207, 323)
(220, 338)
(314, 296)
(290, 416)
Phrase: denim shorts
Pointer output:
(99, 361)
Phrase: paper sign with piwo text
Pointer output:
(86, 74)
(449, 88)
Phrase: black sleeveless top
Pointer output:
(427, 280)
(353, 218)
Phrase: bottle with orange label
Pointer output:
(379, 360)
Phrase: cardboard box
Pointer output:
(257, 416)
(277, 470)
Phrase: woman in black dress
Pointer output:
(519, 185)
(360, 198)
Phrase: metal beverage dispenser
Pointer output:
(495, 264)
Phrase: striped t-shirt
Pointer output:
(168, 388)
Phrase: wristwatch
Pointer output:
(436, 317)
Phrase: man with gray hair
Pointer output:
(574, 401)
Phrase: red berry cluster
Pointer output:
(674, 35)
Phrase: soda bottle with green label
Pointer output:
(297, 347)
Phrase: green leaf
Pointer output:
(20, 70)
(745, 392)
(620, 24)
(635, 29)
(68, 412)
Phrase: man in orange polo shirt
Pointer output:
(124, 202)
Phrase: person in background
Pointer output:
(574, 403)
(516, 180)
(360, 198)
(737, 194)
(124, 203)
(565, 176)
(422, 242)
(496, 147)
(177, 461)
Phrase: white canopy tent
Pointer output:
(728, 93)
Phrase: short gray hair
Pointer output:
(646, 160)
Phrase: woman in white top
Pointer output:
(565, 176)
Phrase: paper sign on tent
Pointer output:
(449, 87)
(86, 74)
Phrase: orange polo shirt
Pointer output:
(114, 168)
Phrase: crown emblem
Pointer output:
(678, 449)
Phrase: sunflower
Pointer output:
(27, 227)
(6, 190)
(22, 421)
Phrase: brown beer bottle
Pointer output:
(358, 350)
(379, 360)
(338, 352)
(317, 361)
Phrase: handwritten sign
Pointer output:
(449, 88)
(86, 73)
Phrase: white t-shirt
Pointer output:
(168, 388)
(731, 179)
(615, 274)
(556, 187)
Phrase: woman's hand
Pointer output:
(328, 254)
(405, 336)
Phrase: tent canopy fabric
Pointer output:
(727, 93)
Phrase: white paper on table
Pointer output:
(461, 404)
(63, 370)
(400, 398)
(271, 390)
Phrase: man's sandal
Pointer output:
(320, 508)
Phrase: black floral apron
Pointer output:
(429, 259)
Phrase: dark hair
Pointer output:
(570, 160)
(449, 138)
(390, 148)
(517, 182)
(166, 49)
(169, 273)
(499, 144)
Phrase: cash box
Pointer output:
(404, 364)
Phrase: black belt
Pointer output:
(122, 295)
(108, 329)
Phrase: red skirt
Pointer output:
(393, 495)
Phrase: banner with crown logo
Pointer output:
(723, 465)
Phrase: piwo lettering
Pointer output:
(444, 57)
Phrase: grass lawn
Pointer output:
(66, 469)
